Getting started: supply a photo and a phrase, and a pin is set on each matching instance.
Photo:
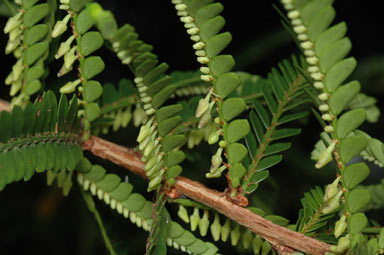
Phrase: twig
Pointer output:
(275, 234)
(4, 106)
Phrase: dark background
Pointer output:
(37, 219)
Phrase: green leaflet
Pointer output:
(358, 199)
(236, 152)
(269, 162)
(92, 90)
(83, 21)
(334, 53)
(277, 220)
(342, 96)
(77, 5)
(92, 66)
(339, 72)
(226, 84)
(232, 107)
(211, 27)
(28, 3)
(320, 22)
(377, 149)
(155, 73)
(310, 10)
(357, 223)
(207, 12)
(32, 87)
(221, 64)
(35, 34)
(36, 51)
(349, 121)
(35, 14)
(167, 112)
(354, 174)
(330, 36)
(217, 43)
(237, 129)
(33, 73)
(351, 147)
(170, 142)
(168, 125)
(160, 98)
(90, 42)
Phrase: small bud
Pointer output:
(317, 76)
(69, 87)
(203, 105)
(325, 156)
(318, 85)
(324, 107)
(9, 79)
(327, 117)
(300, 29)
(63, 71)
(195, 217)
(14, 34)
(16, 86)
(70, 58)
(333, 203)
(266, 248)
(12, 23)
(64, 47)
(235, 235)
(340, 226)
(293, 14)
(139, 116)
(313, 69)
(329, 129)
(296, 22)
(343, 244)
(223, 144)
(200, 53)
(323, 97)
(203, 60)
(216, 160)
(206, 116)
(309, 53)
(195, 38)
(132, 217)
(153, 183)
(257, 242)
(214, 137)
(60, 26)
(181, 7)
(199, 46)
(246, 238)
(312, 60)
(331, 190)
(12, 45)
(204, 224)
(206, 77)
(17, 69)
(216, 228)
(306, 45)
(204, 70)
(302, 37)
(225, 230)
(187, 19)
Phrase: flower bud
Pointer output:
(216, 228)
(12, 23)
(64, 47)
(225, 230)
(331, 190)
(60, 26)
(332, 204)
(16, 86)
(12, 45)
(70, 58)
(246, 238)
(153, 183)
(325, 156)
(139, 116)
(214, 137)
(206, 116)
(204, 224)
(69, 87)
(203, 105)
(17, 69)
(126, 117)
(14, 34)
(343, 244)
(340, 226)
(256, 243)
(145, 131)
(265, 248)
(195, 218)
(235, 235)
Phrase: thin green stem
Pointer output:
(92, 208)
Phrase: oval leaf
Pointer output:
(92, 66)
(349, 121)
(232, 107)
(358, 199)
(352, 146)
(92, 111)
(226, 84)
(357, 223)
(342, 96)
(355, 174)
(237, 129)
(339, 72)
(236, 152)
(90, 42)
(92, 91)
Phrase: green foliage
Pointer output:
(248, 116)
(31, 140)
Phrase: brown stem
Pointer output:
(4, 106)
(277, 235)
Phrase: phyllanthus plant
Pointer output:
(246, 122)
